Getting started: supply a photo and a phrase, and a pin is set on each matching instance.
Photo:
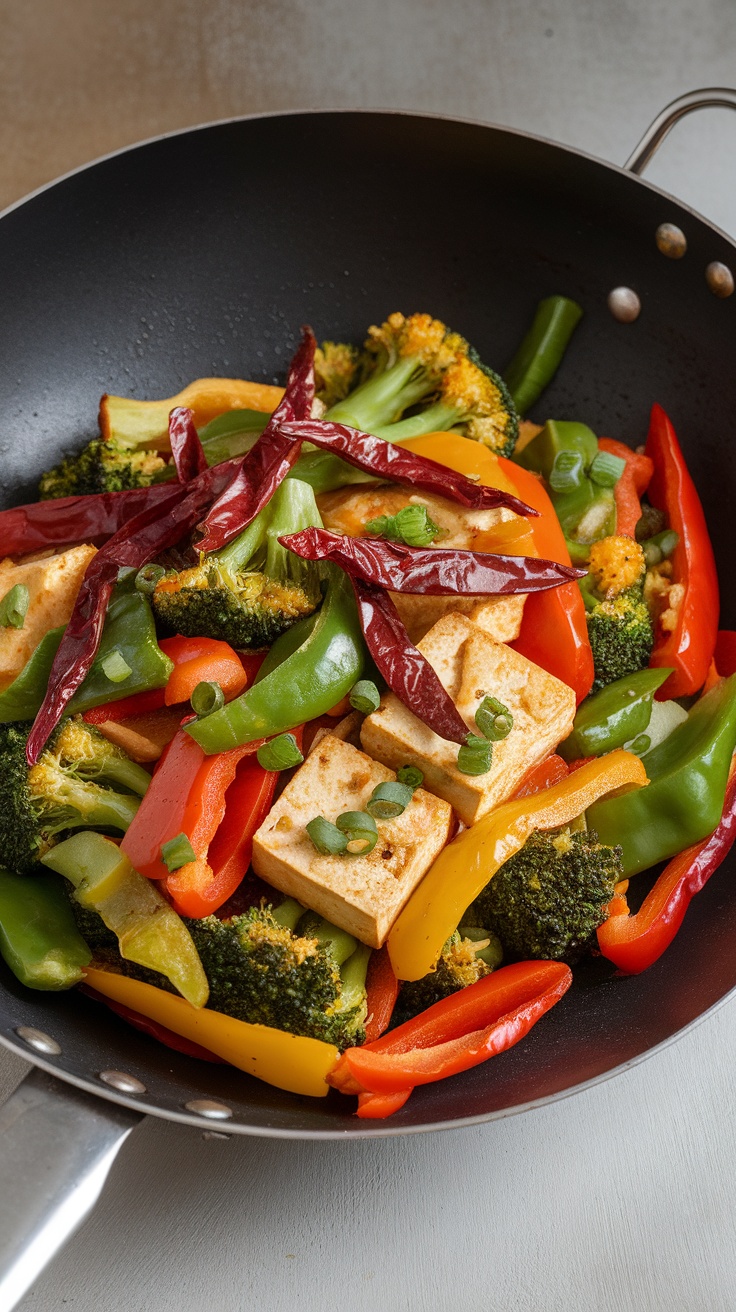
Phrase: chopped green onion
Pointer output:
(206, 698)
(411, 525)
(14, 607)
(389, 800)
(641, 744)
(360, 830)
(177, 852)
(327, 838)
(281, 753)
(115, 667)
(147, 578)
(606, 469)
(410, 775)
(494, 720)
(365, 697)
(567, 472)
(660, 547)
(475, 756)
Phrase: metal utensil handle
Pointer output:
(704, 98)
(57, 1145)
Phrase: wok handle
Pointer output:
(704, 98)
(57, 1145)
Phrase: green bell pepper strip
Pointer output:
(683, 801)
(556, 436)
(148, 930)
(300, 683)
(541, 351)
(231, 434)
(613, 716)
(129, 629)
(39, 939)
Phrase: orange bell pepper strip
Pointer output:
(631, 486)
(146, 423)
(201, 660)
(287, 1061)
(377, 1106)
(689, 645)
(382, 989)
(554, 631)
(456, 1033)
(465, 866)
(633, 943)
(544, 775)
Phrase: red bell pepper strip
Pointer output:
(554, 632)
(689, 647)
(633, 943)
(198, 660)
(456, 1033)
(141, 704)
(430, 571)
(268, 461)
(200, 888)
(377, 1106)
(186, 448)
(152, 1028)
(725, 653)
(545, 775)
(631, 486)
(382, 989)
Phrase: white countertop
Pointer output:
(620, 1198)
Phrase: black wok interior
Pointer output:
(201, 254)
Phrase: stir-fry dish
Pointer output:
(336, 719)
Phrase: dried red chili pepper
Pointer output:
(186, 448)
(407, 672)
(268, 461)
(434, 571)
(386, 460)
(66, 520)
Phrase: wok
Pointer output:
(201, 253)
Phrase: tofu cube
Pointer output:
(471, 666)
(361, 894)
(53, 583)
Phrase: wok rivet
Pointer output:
(671, 241)
(39, 1041)
(624, 304)
(122, 1082)
(214, 1111)
(720, 279)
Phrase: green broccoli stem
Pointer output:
(293, 508)
(353, 974)
(385, 396)
(492, 953)
(337, 942)
(95, 807)
(120, 770)
(288, 913)
(437, 418)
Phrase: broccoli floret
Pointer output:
(65, 790)
(337, 370)
(620, 626)
(548, 899)
(467, 956)
(472, 399)
(100, 467)
(253, 590)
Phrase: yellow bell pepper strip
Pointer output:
(148, 930)
(465, 866)
(287, 1061)
(146, 423)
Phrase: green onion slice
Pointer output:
(14, 607)
(660, 547)
(641, 744)
(410, 775)
(389, 800)
(115, 667)
(327, 838)
(567, 472)
(365, 697)
(206, 698)
(281, 753)
(606, 469)
(360, 831)
(177, 852)
(411, 525)
(475, 756)
(494, 720)
(147, 578)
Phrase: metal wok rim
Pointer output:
(388, 1129)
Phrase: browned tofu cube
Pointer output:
(361, 894)
(471, 666)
